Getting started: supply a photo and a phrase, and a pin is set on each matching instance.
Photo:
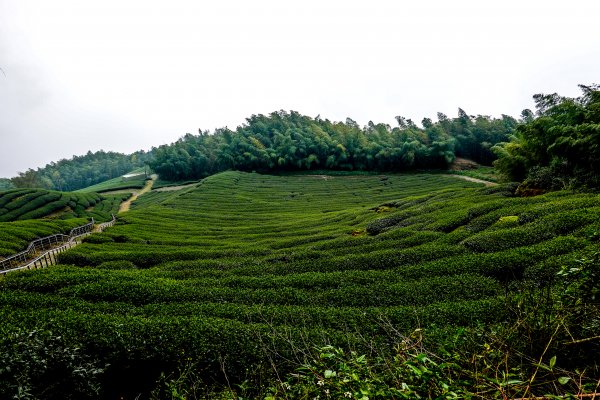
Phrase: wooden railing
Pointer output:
(43, 252)
(108, 224)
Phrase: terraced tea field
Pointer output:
(27, 204)
(244, 271)
(15, 236)
(28, 214)
(118, 183)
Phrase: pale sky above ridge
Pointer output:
(129, 75)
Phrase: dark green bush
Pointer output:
(117, 265)
(40, 364)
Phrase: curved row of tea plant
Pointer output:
(117, 183)
(24, 204)
(246, 271)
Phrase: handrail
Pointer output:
(20, 260)
(49, 257)
(105, 225)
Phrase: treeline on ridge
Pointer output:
(80, 171)
(289, 141)
(559, 146)
(555, 147)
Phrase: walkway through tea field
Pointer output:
(124, 207)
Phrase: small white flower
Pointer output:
(326, 391)
(348, 395)
(320, 383)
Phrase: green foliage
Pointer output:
(117, 183)
(16, 236)
(558, 149)
(508, 221)
(285, 141)
(29, 179)
(580, 295)
(40, 365)
(582, 280)
(28, 214)
(81, 171)
(24, 204)
(336, 374)
(5, 184)
(245, 272)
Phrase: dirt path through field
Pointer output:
(468, 178)
(124, 207)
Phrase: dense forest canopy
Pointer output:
(559, 146)
(81, 171)
(5, 184)
(288, 141)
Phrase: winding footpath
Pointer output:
(124, 207)
(468, 178)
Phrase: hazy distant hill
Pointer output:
(82, 171)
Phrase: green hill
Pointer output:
(28, 214)
(119, 183)
(245, 273)
(24, 204)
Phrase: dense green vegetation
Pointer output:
(559, 147)
(25, 204)
(37, 213)
(81, 171)
(238, 280)
(289, 141)
(5, 184)
(326, 279)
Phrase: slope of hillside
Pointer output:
(245, 272)
(24, 204)
(28, 214)
(16, 236)
(118, 183)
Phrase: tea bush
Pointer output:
(244, 272)
(23, 204)
(16, 236)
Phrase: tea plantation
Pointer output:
(16, 236)
(21, 209)
(243, 276)
(26, 204)
(117, 183)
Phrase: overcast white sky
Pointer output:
(127, 75)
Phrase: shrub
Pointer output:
(335, 373)
(380, 225)
(39, 364)
(117, 265)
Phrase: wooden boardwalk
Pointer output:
(44, 252)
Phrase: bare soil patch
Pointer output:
(463, 164)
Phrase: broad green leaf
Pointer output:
(563, 380)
